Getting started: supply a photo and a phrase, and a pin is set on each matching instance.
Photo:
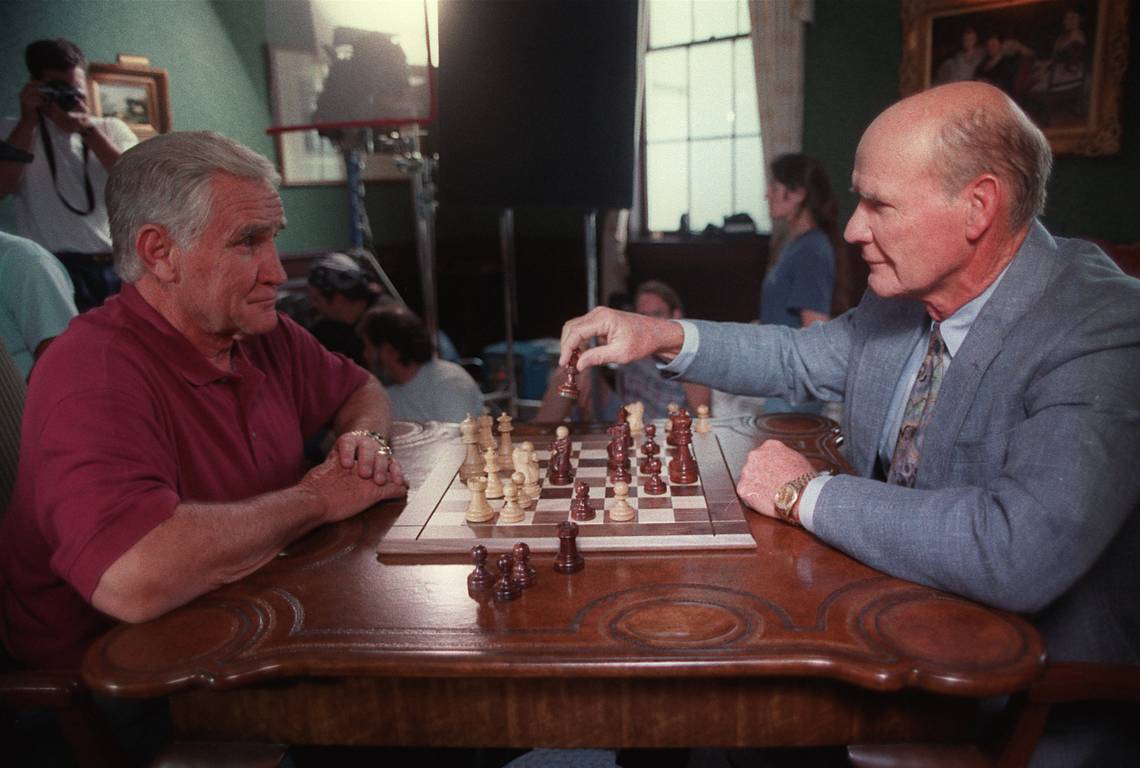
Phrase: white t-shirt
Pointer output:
(440, 391)
(40, 214)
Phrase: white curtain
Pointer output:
(778, 54)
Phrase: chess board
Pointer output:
(703, 515)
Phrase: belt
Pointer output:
(85, 258)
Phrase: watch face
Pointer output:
(786, 496)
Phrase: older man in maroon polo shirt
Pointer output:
(161, 448)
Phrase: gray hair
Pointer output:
(1005, 142)
(166, 180)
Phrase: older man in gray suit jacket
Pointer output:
(1011, 466)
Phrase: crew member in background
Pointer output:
(59, 195)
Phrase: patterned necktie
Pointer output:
(908, 449)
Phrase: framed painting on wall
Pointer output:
(1062, 61)
(137, 95)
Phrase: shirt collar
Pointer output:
(955, 327)
(168, 343)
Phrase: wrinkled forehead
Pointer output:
(899, 140)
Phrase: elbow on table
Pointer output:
(134, 603)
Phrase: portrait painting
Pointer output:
(1055, 58)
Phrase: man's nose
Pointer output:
(856, 230)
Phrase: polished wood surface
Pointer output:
(792, 643)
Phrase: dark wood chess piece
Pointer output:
(649, 448)
(569, 388)
(683, 467)
(482, 579)
(620, 472)
(580, 506)
(505, 588)
(568, 559)
(654, 485)
(559, 471)
(623, 427)
(521, 573)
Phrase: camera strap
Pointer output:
(55, 182)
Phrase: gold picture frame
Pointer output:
(137, 95)
(1062, 61)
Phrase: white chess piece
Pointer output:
(636, 417)
(621, 511)
(512, 512)
(478, 510)
(491, 469)
(703, 424)
(505, 429)
(526, 501)
(469, 436)
(486, 430)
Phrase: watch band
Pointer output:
(789, 515)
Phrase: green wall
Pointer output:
(214, 53)
(852, 73)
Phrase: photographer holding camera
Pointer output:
(59, 195)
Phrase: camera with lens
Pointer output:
(69, 99)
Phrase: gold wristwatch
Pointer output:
(788, 494)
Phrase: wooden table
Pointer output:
(793, 643)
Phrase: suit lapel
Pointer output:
(1026, 279)
(891, 335)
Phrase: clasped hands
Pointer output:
(624, 337)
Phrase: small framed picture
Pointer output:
(137, 95)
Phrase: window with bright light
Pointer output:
(702, 128)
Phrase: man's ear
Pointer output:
(983, 200)
(155, 247)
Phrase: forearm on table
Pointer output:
(201, 547)
(366, 408)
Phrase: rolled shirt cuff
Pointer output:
(809, 498)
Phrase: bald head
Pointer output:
(964, 130)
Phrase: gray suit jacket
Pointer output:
(1029, 485)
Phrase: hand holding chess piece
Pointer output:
(569, 388)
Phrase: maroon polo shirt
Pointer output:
(124, 420)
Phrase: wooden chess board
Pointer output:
(703, 515)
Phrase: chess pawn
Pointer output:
(478, 510)
(621, 511)
(522, 573)
(568, 559)
(505, 587)
(505, 428)
(526, 501)
(703, 426)
(654, 485)
(580, 506)
(469, 436)
(481, 579)
(491, 470)
(511, 512)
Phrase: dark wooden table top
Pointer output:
(333, 643)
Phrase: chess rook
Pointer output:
(568, 560)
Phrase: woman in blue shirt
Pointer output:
(798, 288)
